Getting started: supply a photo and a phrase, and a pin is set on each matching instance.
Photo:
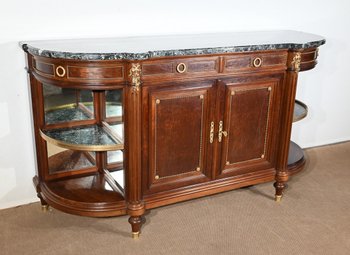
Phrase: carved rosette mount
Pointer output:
(135, 75)
(296, 62)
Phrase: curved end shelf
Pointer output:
(296, 159)
(300, 111)
(86, 196)
(89, 138)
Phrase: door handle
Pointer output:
(211, 135)
(221, 131)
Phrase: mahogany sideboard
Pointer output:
(123, 125)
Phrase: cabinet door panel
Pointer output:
(247, 124)
(251, 122)
(177, 136)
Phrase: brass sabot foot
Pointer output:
(135, 235)
(45, 208)
(278, 198)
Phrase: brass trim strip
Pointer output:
(81, 147)
(229, 126)
(269, 89)
(60, 107)
(201, 97)
(74, 105)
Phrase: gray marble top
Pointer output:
(138, 48)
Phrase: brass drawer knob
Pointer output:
(181, 68)
(60, 71)
(257, 62)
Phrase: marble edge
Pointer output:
(166, 53)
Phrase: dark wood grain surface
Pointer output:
(171, 114)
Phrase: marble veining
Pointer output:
(65, 115)
(141, 48)
(92, 135)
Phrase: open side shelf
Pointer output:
(94, 195)
(296, 159)
(300, 111)
(88, 138)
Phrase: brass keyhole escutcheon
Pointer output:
(60, 71)
(257, 62)
(181, 68)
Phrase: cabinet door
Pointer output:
(250, 124)
(176, 126)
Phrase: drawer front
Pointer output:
(96, 74)
(91, 73)
(255, 62)
(180, 67)
(88, 72)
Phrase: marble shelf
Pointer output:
(65, 114)
(88, 138)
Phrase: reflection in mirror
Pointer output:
(114, 157)
(114, 113)
(64, 105)
(61, 160)
(114, 101)
(118, 176)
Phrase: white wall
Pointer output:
(326, 89)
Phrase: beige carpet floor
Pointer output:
(313, 218)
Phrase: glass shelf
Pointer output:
(300, 111)
(88, 138)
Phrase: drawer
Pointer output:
(81, 72)
(97, 75)
(255, 61)
(95, 72)
(180, 67)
